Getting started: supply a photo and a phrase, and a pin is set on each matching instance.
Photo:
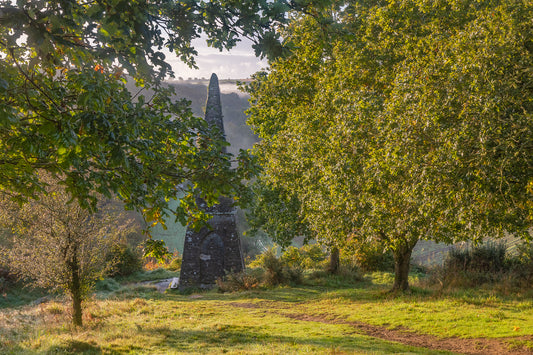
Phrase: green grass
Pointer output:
(20, 296)
(138, 319)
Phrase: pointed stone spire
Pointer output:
(213, 108)
(211, 252)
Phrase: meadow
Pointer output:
(323, 314)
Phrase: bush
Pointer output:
(486, 264)
(7, 279)
(371, 257)
(276, 270)
(175, 263)
(307, 257)
(347, 276)
(172, 263)
(485, 258)
(241, 281)
(124, 260)
(522, 266)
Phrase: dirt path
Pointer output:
(484, 346)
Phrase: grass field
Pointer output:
(327, 315)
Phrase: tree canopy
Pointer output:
(64, 106)
(404, 120)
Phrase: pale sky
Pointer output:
(239, 63)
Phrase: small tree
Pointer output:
(59, 245)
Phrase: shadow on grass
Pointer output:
(21, 296)
(369, 289)
(74, 347)
(223, 338)
(231, 338)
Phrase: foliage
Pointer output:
(310, 256)
(124, 260)
(275, 212)
(59, 245)
(402, 120)
(172, 262)
(276, 270)
(65, 108)
(372, 256)
(525, 253)
(175, 263)
(156, 249)
(488, 257)
(486, 264)
(347, 276)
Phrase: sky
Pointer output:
(238, 63)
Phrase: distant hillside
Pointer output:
(234, 103)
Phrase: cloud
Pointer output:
(238, 63)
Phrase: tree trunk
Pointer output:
(334, 261)
(75, 292)
(402, 259)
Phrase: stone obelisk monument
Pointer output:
(213, 251)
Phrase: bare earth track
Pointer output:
(484, 346)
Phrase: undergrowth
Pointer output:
(485, 265)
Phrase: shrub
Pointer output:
(172, 263)
(522, 266)
(473, 266)
(276, 270)
(175, 263)
(346, 276)
(486, 264)
(525, 253)
(484, 258)
(241, 281)
(371, 256)
(124, 260)
(307, 257)
(7, 279)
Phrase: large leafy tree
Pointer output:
(413, 122)
(64, 106)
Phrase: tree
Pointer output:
(275, 212)
(413, 122)
(277, 207)
(278, 213)
(59, 245)
(64, 106)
